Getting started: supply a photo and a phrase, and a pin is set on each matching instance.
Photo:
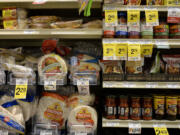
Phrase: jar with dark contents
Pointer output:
(123, 108)
(159, 107)
(174, 31)
(147, 108)
(121, 28)
(108, 31)
(178, 107)
(161, 31)
(135, 108)
(110, 107)
(134, 32)
(171, 107)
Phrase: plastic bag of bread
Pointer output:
(39, 25)
(67, 24)
(52, 109)
(43, 19)
(76, 100)
(11, 115)
(93, 24)
(82, 119)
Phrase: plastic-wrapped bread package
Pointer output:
(52, 66)
(82, 119)
(52, 110)
(28, 106)
(43, 19)
(11, 115)
(67, 24)
(77, 100)
(93, 24)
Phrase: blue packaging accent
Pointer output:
(9, 104)
(121, 33)
(28, 99)
(12, 123)
(74, 61)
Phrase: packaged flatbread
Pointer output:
(52, 109)
(82, 119)
(52, 66)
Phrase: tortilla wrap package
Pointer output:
(11, 115)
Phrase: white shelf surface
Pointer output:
(172, 43)
(51, 33)
(144, 123)
(48, 5)
(117, 7)
(148, 85)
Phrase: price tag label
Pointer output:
(31, 32)
(134, 52)
(151, 85)
(109, 51)
(133, 17)
(152, 17)
(46, 132)
(172, 86)
(171, 2)
(83, 86)
(21, 88)
(146, 50)
(36, 2)
(111, 18)
(3, 132)
(160, 129)
(162, 44)
(121, 51)
(134, 128)
(173, 15)
(49, 84)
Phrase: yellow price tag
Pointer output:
(161, 131)
(111, 17)
(146, 50)
(121, 51)
(108, 51)
(21, 89)
(134, 52)
(171, 2)
(133, 17)
(152, 17)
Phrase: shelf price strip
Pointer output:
(109, 50)
(20, 89)
(146, 50)
(134, 128)
(133, 17)
(49, 84)
(83, 86)
(152, 17)
(111, 17)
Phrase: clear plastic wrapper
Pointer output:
(43, 19)
(22, 24)
(39, 26)
(82, 119)
(2, 77)
(45, 129)
(93, 24)
(18, 75)
(67, 24)
(21, 13)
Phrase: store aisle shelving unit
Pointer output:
(50, 4)
(144, 124)
(51, 33)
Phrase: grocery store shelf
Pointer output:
(150, 85)
(144, 124)
(172, 43)
(48, 5)
(51, 33)
(139, 7)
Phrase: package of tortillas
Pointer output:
(11, 115)
(82, 119)
(52, 109)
